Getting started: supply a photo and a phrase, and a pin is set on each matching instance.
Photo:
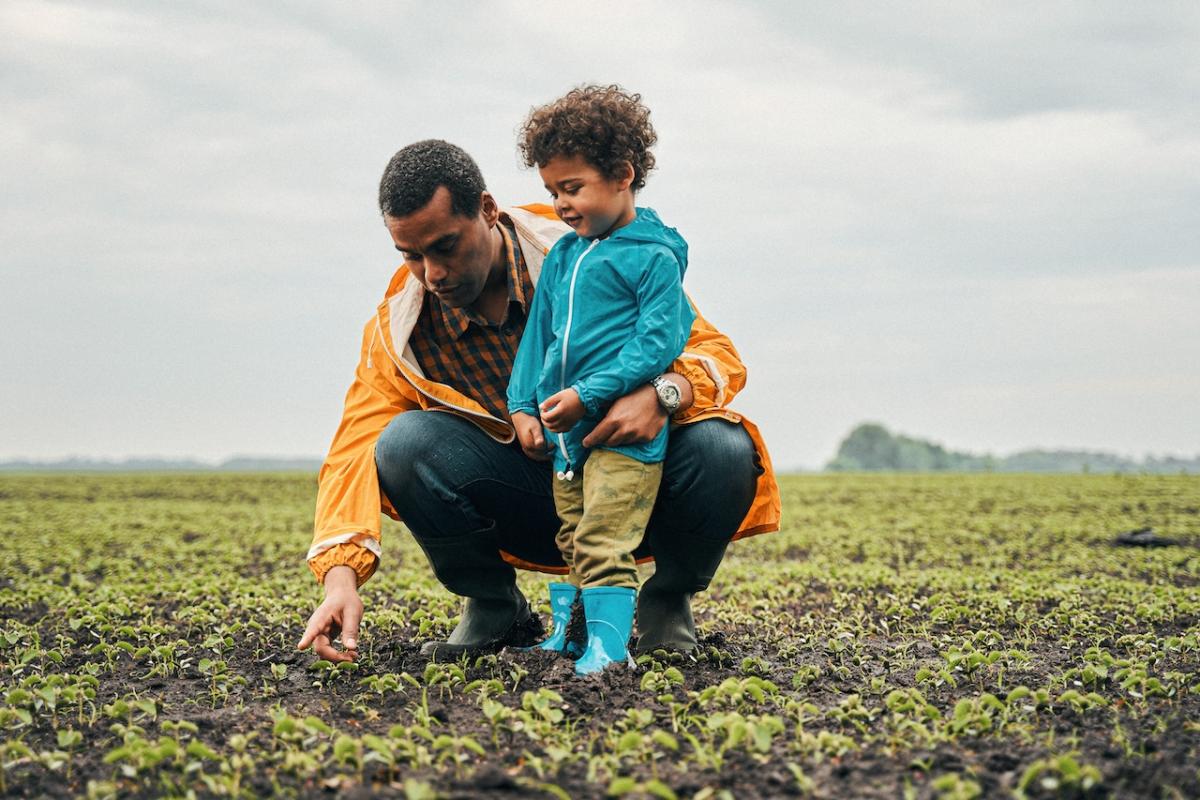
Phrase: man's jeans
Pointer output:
(456, 487)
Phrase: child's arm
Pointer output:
(664, 320)
(530, 436)
(561, 410)
(531, 353)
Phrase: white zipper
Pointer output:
(569, 474)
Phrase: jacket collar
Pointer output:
(537, 230)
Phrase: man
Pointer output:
(425, 436)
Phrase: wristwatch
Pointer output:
(668, 394)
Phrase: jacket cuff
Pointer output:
(350, 554)
(702, 388)
(591, 404)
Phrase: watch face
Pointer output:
(668, 394)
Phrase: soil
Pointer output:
(1159, 759)
(901, 540)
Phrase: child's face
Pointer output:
(591, 203)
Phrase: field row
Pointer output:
(911, 636)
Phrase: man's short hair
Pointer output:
(416, 172)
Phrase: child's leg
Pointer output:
(618, 495)
(568, 502)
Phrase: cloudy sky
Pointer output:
(978, 223)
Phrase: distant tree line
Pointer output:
(871, 447)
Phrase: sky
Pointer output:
(974, 223)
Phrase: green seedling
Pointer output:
(1062, 775)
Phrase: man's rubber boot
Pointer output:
(609, 611)
(664, 613)
(495, 614)
(562, 602)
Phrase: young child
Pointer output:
(609, 315)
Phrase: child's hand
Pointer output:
(529, 434)
(562, 410)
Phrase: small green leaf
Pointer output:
(621, 786)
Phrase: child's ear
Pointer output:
(625, 175)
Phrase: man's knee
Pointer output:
(422, 455)
(709, 482)
(409, 440)
(713, 455)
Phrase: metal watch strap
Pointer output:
(663, 386)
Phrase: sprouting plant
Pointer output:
(953, 786)
(805, 675)
(540, 710)
(379, 750)
(348, 750)
(1082, 702)
(1058, 774)
(278, 673)
(12, 752)
(753, 665)
(69, 740)
(329, 673)
(974, 716)
(130, 709)
(516, 674)
(625, 785)
(445, 676)
(218, 678)
(499, 718)
(137, 755)
(661, 682)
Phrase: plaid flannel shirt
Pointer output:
(460, 348)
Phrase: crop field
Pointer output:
(903, 636)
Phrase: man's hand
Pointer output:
(562, 410)
(637, 417)
(529, 435)
(340, 612)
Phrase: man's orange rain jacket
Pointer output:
(389, 382)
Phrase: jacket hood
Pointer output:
(648, 227)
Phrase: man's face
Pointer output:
(450, 255)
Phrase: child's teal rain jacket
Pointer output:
(607, 317)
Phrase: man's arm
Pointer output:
(638, 416)
(344, 553)
(709, 373)
(346, 529)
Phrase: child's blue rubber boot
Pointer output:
(562, 597)
(609, 611)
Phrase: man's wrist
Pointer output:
(673, 402)
(341, 576)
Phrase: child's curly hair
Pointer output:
(606, 125)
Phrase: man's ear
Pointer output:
(624, 175)
(489, 208)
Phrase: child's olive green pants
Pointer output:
(604, 514)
